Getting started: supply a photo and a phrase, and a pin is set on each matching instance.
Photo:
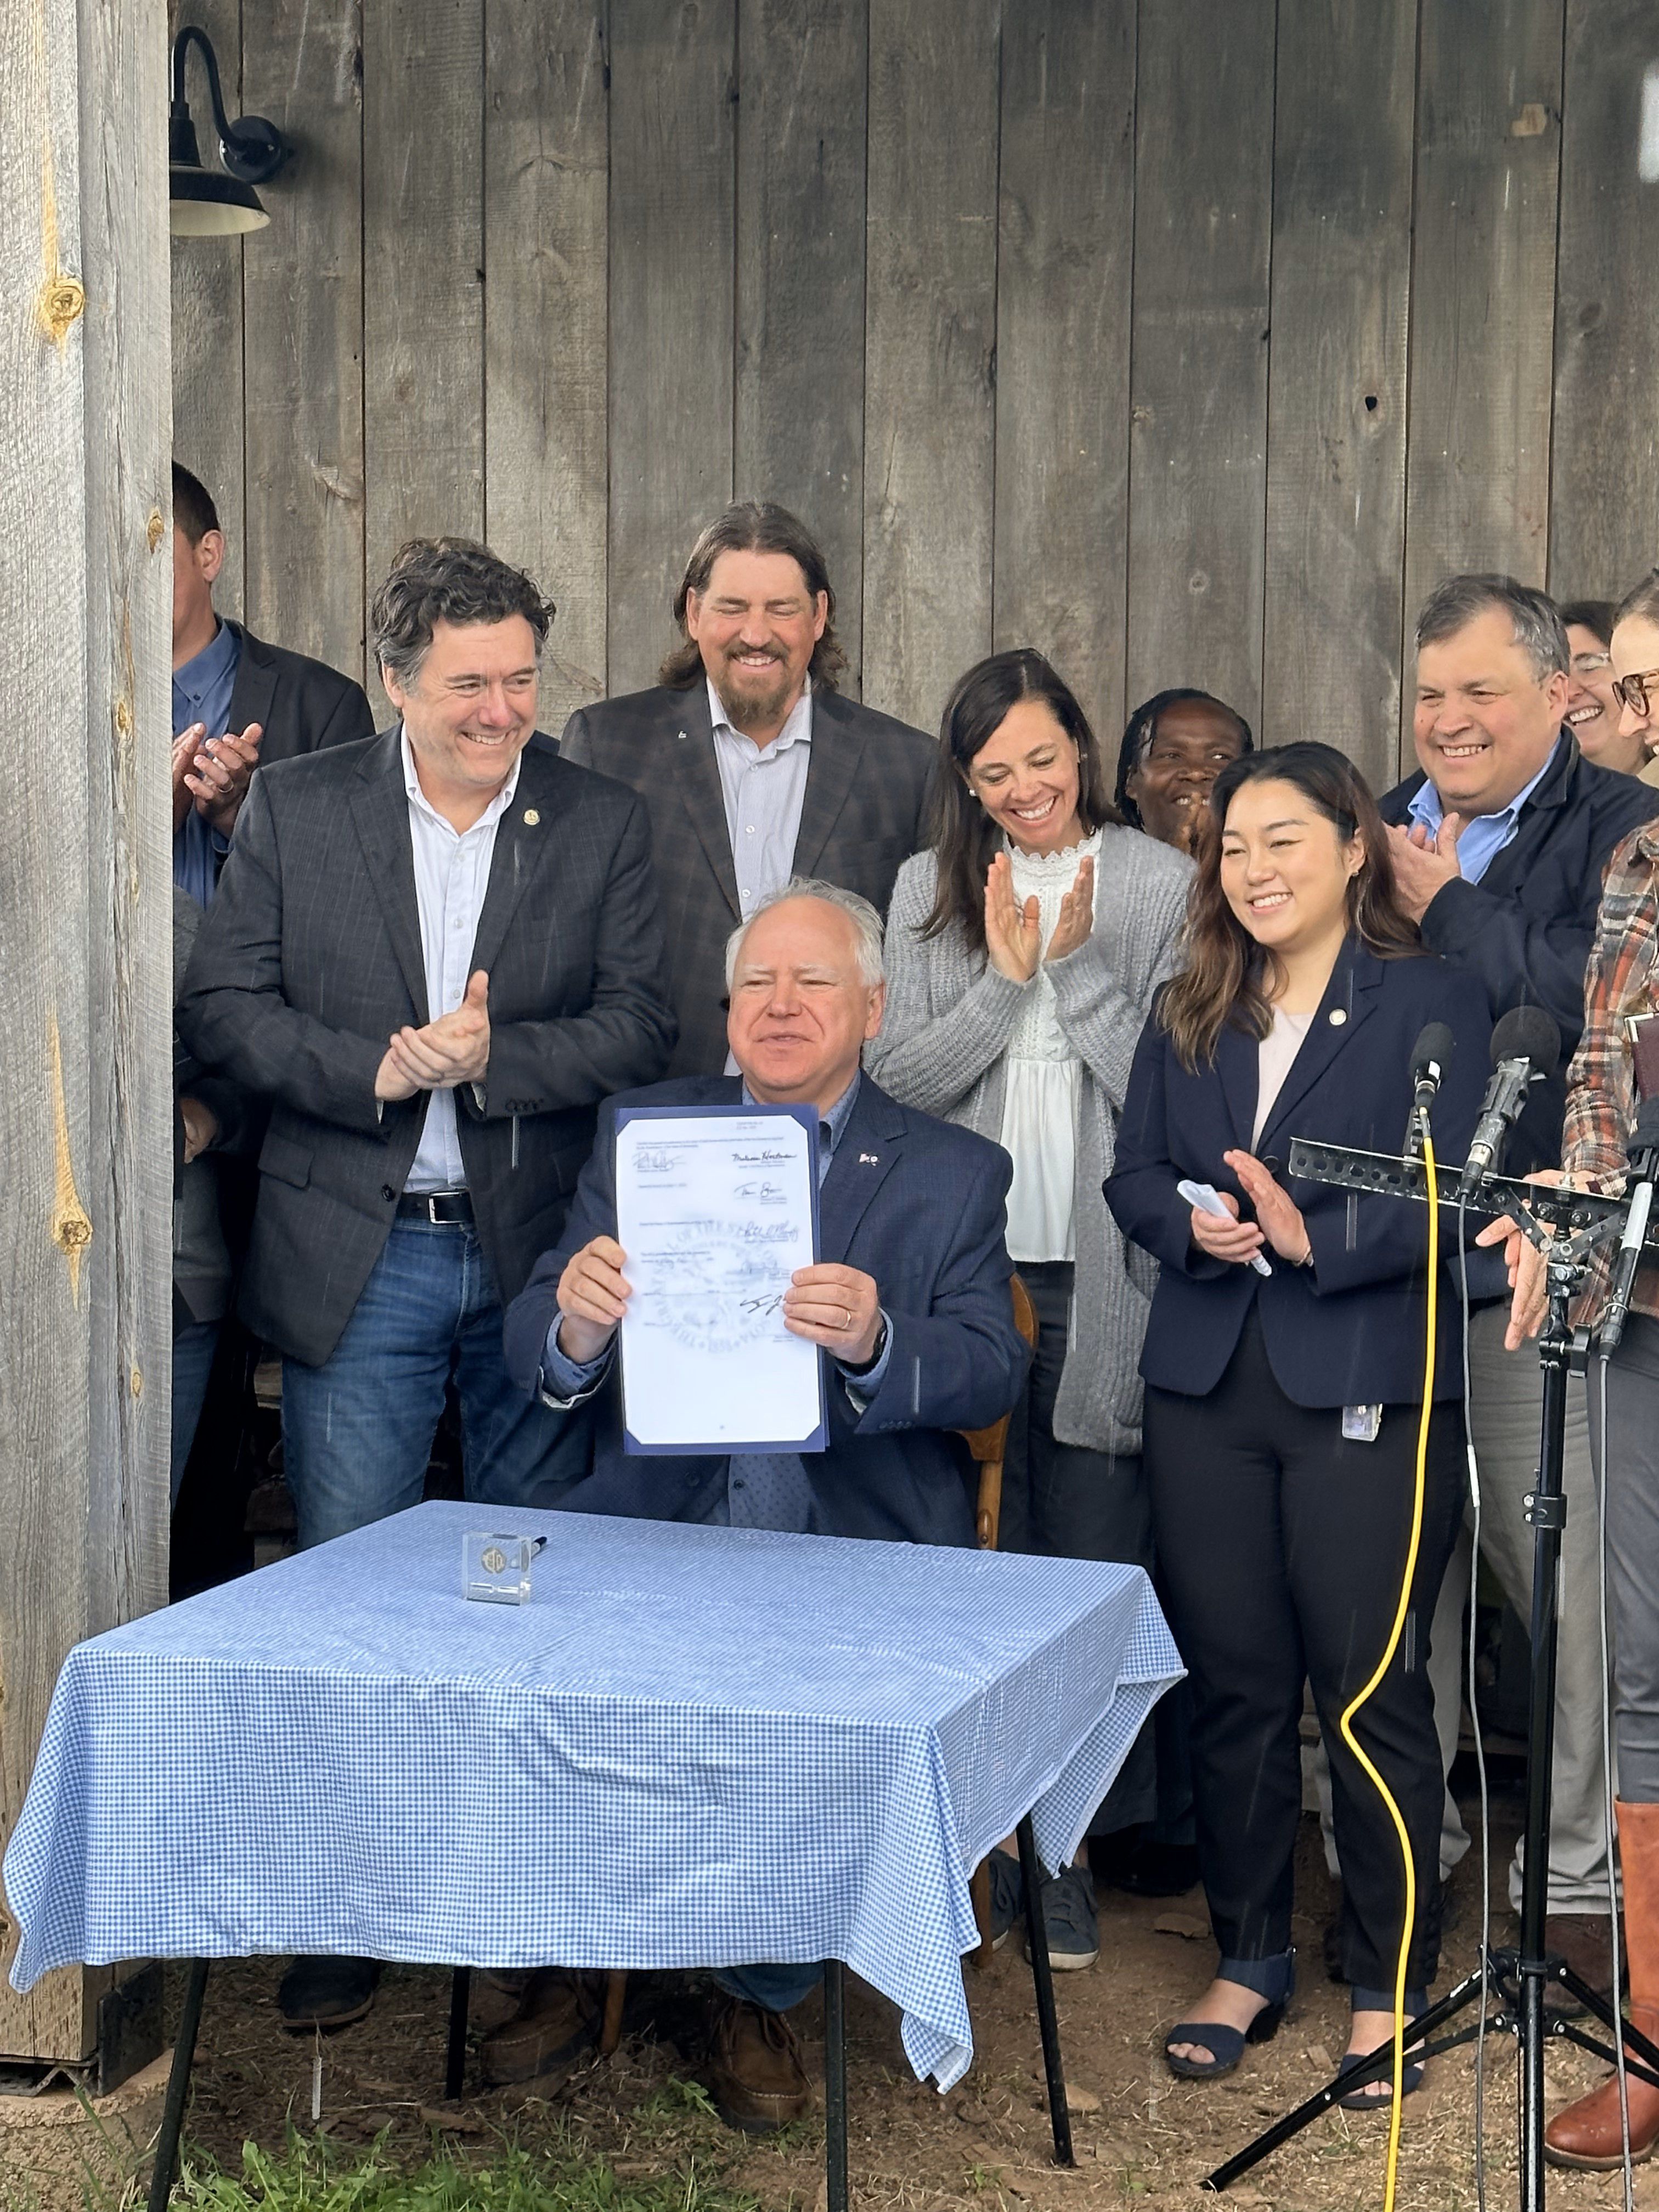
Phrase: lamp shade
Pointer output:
(204, 204)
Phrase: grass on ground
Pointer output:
(682, 2157)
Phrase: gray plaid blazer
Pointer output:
(861, 819)
(310, 957)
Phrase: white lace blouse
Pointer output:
(1044, 1079)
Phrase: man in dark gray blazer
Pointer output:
(753, 767)
(435, 950)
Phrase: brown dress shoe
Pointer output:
(1587, 2133)
(754, 2074)
(557, 2020)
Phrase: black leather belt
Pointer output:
(445, 1209)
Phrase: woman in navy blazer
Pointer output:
(1282, 1410)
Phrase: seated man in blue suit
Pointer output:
(911, 1304)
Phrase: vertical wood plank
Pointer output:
(1336, 417)
(546, 134)
(672, 157)
(208, 410)
(802, 69)
(85, 882)
(1483, 292)
(423, 264)
(1204, 135)
(1064, 271)
(44, 986)
(930, 340)
(1604, 465)
(303, 289)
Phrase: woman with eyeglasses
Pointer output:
(1284, 1368)
(1621, 986)
(1594, 714)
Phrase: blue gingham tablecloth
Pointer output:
(692, 1747)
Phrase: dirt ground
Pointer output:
(1140, 2136)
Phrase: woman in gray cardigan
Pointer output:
(1023, 948)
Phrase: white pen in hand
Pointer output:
(1206, 1197)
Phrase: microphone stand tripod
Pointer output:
(1514, 1979)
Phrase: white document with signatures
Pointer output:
(716, 1207)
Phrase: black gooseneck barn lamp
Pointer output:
(203, 202)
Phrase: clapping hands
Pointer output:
(1013, 929)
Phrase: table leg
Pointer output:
(835, 2083)
(1043, 1977)
(166, 2167)
(460, 1996)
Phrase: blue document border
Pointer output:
(808, 1117)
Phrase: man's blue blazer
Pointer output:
(1349, 1330)
(913, 1202)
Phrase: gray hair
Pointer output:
(866, 924)
(1533, 617)
(452, 580)
(1642, 601)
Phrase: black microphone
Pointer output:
(1526, 1048)
(1642, 1155)
(1430, 1057)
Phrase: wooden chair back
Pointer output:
(990, 1446)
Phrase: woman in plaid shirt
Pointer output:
(1621, 981)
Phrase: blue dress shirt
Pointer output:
(202, 691)
(763, 1490)
(1483, 837)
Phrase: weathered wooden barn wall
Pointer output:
(1189, 340)
(86, 890)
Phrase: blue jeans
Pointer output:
(194, 1343)
(357, 1431)
(773, 1988)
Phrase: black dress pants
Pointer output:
(1281, 1546)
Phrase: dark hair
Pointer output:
(1226, 976)
(962, 836)
(1143, 728)
(1534, 616)
(754, 525)
(1642, 601)
(452, 580)
(193, 505)
(1593, 615)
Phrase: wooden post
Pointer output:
(85, 880)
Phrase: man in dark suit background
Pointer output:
(435, 951)
(754, 768)
(236, 700)
(910, 1301)
(1500, 841)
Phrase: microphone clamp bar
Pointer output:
(1566, 1212)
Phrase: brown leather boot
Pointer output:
(557, 2020)
(1587, 2133)
(755, 2072)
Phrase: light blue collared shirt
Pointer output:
(201, 692)
(763, 1490)
(1483, 837)
(764, 789)
(451, 879)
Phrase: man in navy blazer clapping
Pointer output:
(911, 1304)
